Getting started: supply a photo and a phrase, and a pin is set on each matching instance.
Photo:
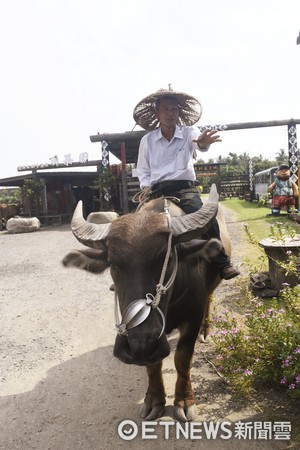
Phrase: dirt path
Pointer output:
(60, 386)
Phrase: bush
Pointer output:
(263, 347)
(10, 196)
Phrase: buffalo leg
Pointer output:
(184, 397)
(155, 400)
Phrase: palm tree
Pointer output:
(281, 156)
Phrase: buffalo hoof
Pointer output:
(187, 414)
(151, 413)
(202, 338)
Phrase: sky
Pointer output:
(74, 68)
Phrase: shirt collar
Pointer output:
(177, 134)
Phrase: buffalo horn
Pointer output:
(192, 226)
(87, 233)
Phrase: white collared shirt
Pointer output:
(161, 160)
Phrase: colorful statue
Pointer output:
(284, 190)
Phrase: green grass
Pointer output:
(257, 218)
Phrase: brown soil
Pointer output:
(61, 387)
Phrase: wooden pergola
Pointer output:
(125, 145)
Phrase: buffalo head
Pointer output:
(134, 247)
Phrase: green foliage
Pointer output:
(240, 163)
(237, 165)
(264, 347)
(33, 187)
(32, 192)
(104, 187)
(281, 156)
(11, 196)
(205, 181)
(263, 201)
(259, 217)
(280, 231)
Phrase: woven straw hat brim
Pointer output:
(144, 113)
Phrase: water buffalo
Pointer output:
(7, 211)
(164, 276)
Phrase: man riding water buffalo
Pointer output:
(165, 163)
(163, 265)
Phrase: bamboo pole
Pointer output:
(224, 127)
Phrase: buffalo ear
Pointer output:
(93, 261)
(208, 249)
(188, 248)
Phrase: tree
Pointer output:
(11, 196)
(281, 156)
(32, 193)
(104, 187)
(233, 159)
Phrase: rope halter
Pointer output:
(138, 310)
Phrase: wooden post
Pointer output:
(293, 160)
(124, 179)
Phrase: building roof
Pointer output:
(131, 140)
(75, 178)
(266, 171)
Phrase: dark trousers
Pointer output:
(190, 201)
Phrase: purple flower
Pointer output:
(248, 372)
(224, 332)
(283, 380)
(297, 350)
(286, 362)
(292, 386)
(297, 379)
(217, 319)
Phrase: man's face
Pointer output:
(168, 112)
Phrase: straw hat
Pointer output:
(144, 113)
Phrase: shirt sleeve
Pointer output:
(143, 166)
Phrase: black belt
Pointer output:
(173, 185)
